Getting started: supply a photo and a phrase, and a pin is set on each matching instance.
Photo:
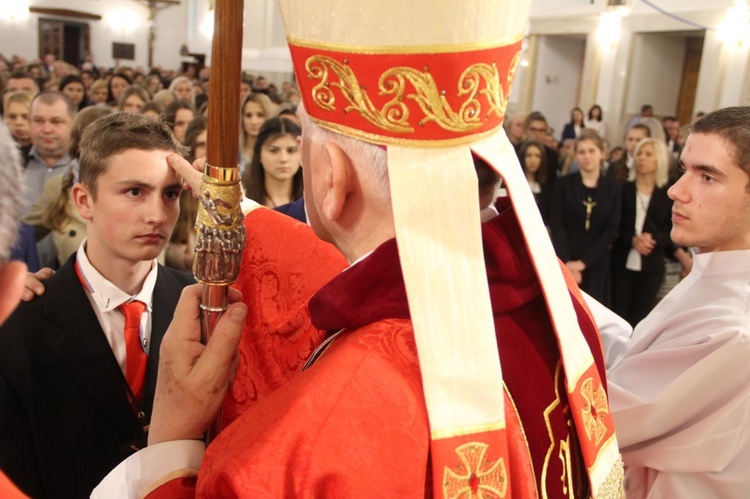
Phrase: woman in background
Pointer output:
(179, 250)
(183, 89)
(575, 126)
(115, 88)
(639, 250)
(594, 121)
(255, 110)
(99, 92)
(73, 87)
(133, 99)
(585, 218)
(533, 162)
(274, 177)
(178, 116)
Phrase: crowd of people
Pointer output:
(612, 236)
(48, 104)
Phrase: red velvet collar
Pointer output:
(373, 289)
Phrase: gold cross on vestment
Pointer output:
(589, 204)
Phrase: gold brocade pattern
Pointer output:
(613, 486)
(478, 85)
(594, 410)
(475, 476)
(564, 453)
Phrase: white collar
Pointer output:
(106, 295)
(717, 263)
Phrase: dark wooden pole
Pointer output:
(220, 233)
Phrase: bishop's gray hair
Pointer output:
(10, 192)
(372, 159)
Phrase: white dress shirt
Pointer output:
(105, 297)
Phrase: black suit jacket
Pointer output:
(65, 419)
(568, 220)
(618, 170)
(658, 223)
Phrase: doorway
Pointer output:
(67, 41)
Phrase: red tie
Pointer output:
(135, 365)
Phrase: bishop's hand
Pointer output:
(193, 378)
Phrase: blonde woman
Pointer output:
(183, 89)
(643, 241)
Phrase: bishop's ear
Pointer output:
(339, 173)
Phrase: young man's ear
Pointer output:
(339, 173)
(83, 200)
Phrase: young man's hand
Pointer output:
(193, 378)
(33, 285)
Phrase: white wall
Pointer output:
(22, 38)
(557, 79)
(655, 73)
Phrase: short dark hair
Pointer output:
(119, 132)
(534, 116)
(51, 97)
(640, 126)
(733, 125)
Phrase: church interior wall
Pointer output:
(611, 75)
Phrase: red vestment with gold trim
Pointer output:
(355, 423)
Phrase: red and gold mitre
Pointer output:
(430, 79)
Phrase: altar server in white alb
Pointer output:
(680, 389)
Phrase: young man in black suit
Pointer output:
(78, 365)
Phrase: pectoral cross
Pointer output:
(589, 204)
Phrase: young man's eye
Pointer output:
(172, 194)
(134, 192)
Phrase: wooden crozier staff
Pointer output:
(220, 233)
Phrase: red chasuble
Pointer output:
(8, 490)
(355, 423)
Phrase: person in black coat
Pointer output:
(533, 161)
(536, 128)
(585, 218)
(575, 126)
(639, 250)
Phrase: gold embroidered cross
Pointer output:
(475, 476)
(594, 411)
